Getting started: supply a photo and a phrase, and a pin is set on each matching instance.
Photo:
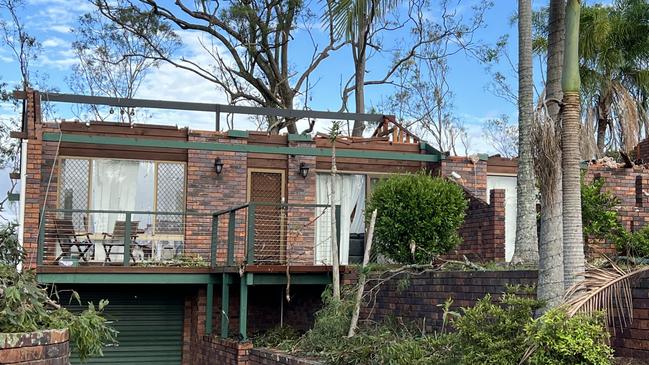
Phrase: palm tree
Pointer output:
(548, 163)
(613, 48)
(526, 248)
(573, 241)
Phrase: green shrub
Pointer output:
(279, 337)
(26, 307)
(558, 339)
(598, 212)
(418, 216)
(493, 333)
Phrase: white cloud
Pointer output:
(60, 28)
(54, 42)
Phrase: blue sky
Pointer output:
(50, 21)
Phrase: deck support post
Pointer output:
(243, 307)
(225, 306)
(127, 239)
(209, 307)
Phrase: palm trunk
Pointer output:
(550, 285)
(526, 247)
(573, 240)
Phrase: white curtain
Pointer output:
(119, 185)
(350, 195)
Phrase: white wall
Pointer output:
(507, 183)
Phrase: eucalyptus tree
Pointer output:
(435, 30)
(526, 246)
(247, 45)
(114, 62)
(573, 240)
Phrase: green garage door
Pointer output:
(150, 326)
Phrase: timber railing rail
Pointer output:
(249, 234)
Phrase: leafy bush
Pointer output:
(492, 333)
(418, 216)
(10, 251)
(636, 243)
(559, 339)
(26, 307)
(598, 212)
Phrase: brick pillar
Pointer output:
(32, 199)
(208, 192)
(473, 176)
(300, 237)
(497, 227)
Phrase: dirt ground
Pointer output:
(630, 361)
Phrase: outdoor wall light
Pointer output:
(218, 165)
(304, 170)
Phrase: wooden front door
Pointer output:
(267, 186)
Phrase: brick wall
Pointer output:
(633, 341)
(419, 300)
(261, 356)
(473, 174)
(631, 186)
(483, 231)
(49, 347)
(212, 350)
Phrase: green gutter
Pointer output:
(213, 146)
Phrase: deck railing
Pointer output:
(250, 234)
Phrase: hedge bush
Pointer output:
(418, 217)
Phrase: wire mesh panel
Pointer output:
(73, 190)
(170, 196)
(270, 219)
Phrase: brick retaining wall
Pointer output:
(48, 347)
(262, 356)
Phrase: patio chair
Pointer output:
(68, 238)
(116, 239)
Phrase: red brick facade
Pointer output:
(630, 185)
(472, 172)
(48, 347)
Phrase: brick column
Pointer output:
(473, 176)
(300, 237)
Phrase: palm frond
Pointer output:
(607, 290)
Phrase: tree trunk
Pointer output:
(526, 247)
(550, 285)
(359, 92)
(573, 240)
(602, 123)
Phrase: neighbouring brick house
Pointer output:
(190, 233)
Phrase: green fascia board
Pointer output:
(280, 279)
(427, 148)
(299, 138)
(235, 133)
(214, 146)
(127, 278)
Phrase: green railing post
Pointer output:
(338, 228)
(250, 250)
(41, 239)
(215, 238)
(209, 308)
(127, 239)
(243, 307)
(225, 306)
(232, 217)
